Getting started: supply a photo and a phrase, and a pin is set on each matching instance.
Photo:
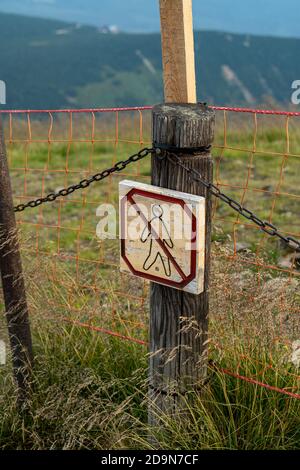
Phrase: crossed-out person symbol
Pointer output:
(156, 254)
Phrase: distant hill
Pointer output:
(47, 63)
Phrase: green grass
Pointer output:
(90, 389)
(265, 181)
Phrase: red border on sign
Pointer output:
(185, 279)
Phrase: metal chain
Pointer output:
(265, 226)
(194, 175)
(86, 182)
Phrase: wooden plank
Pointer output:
(179, 320)
(178, 51)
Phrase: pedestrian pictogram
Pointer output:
(162, 235)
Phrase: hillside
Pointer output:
(47, 63)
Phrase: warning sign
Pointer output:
(162, 235)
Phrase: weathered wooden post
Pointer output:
(179, 320)
(13, 282)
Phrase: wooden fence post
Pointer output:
(179, 320)
(13, 282)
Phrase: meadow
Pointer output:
(90, 388)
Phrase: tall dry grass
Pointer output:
(90, 390)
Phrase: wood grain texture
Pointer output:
(179, 320)
(12, 281)
(178, 51)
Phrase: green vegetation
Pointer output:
(90, 389)
(51, 64)
(260, 173)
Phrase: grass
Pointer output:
(90, 389)
(253, 167)
(90, 392)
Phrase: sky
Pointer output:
(264, 17)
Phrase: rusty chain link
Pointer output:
(194, 175)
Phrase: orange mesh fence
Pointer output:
(254, 280)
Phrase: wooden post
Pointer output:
(178, 51)
(179, 320)
(13, 282)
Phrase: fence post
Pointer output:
(179, 320)
(13, 281)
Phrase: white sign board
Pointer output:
(162, 235)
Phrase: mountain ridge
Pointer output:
(49, 63)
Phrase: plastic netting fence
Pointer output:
(74, 277)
